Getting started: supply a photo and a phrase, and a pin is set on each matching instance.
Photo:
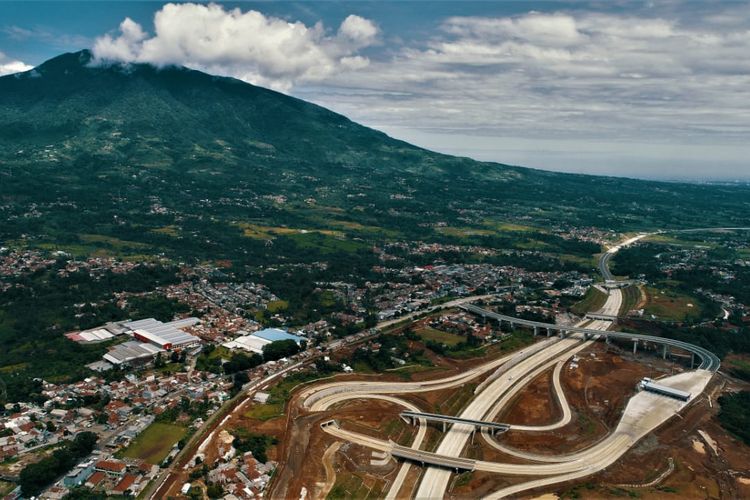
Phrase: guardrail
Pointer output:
(709, 360)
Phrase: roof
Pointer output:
(110, 465)
(163, 333)
(275, 334)
(128, 351)
(248, 342)
(125, 483)
(663, 388)
(96, 478)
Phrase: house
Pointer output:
(78, 475)
(112, 468)
(261, 397)
(59, 413)
(124, 485)
(96, 478)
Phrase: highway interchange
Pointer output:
(508, 376)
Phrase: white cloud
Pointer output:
(248, 45)
(580, 77)
(359, 30)
(9, 66)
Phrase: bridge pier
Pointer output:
(536, 331)
(635, 346)
(445, 426)
(607, 340)
(562, 334)
(549, 332)
(692, 360)
(664, 351)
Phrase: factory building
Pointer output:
(254, 342)
(151, 337)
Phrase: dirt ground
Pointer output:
(535, 405)
(597, 389)
(699, 471)
(304, 438)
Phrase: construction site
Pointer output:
(575, 410)
(581, 410)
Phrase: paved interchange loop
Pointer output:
(644, 412)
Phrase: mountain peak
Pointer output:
(70, 61)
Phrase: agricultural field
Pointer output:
(155, 442)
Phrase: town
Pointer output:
(170, 377)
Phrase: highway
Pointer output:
(643, 413)
(606, 256)
(709, 361)
(435, 480)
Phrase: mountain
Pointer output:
(135, 159)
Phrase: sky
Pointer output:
(651, 89)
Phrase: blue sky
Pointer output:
(643, 89)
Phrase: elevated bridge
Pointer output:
(709, 360)
(603, 317)
(429, 458)
(494, 427)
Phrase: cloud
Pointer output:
(248, 45)
(51, 37)
(9, 66)
(579, 76)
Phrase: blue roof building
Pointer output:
(275, 334)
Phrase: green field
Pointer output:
(446, 338)
(265, 411)
(669, 305)
(154, 443)
(592, 301)
(630, 298)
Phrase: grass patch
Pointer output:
(456, 401)
(326, 242)
(155, 442)
(592, 301)
(463, 232)
(265, 411)
(171, 230)
(6, 487)
(259, 232)
(347, 485)
(170, 368)
(428, 333)
(631, 296)
(115, 243)
(14, 368)
(516, 340)
(671, 306)
(277, 306)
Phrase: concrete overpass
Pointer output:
(709, 361)
(429, 458)
(603, 317)
(413, 417)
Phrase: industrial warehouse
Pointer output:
(150, 337)
(254, 342)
